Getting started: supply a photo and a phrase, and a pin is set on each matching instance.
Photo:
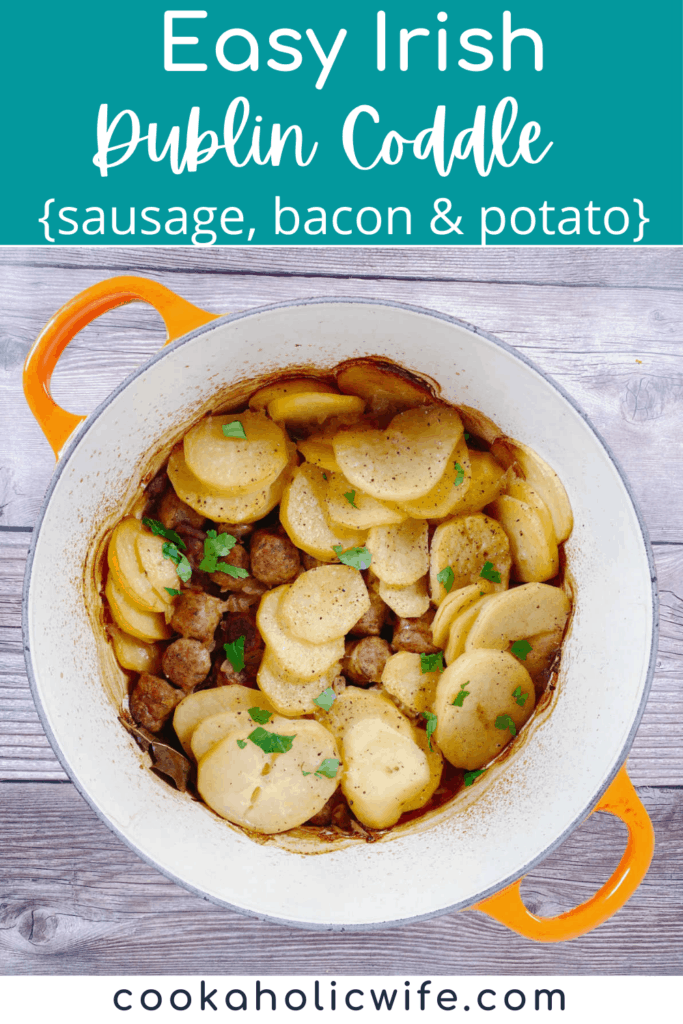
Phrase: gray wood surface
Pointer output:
(607, 324)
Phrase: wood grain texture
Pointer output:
(656, 757)
(75, 900)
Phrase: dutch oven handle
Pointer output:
(179, 316)
(621, 800)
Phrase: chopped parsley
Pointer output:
(521, 698)
(260, 715)
(467, 436)
(431, 662)
(241, 744)
(271, 742)
(351, 498)
(471, 776)
(328, 769)
(235, 653)
(159, 530)
(505, 722)
(357, 558)
(172, 591)
(431, 720)
(461, 694)
(326, 699)
(459, 474)
(446, 578)
(234, 429)
(324, 476)
(520, 649)
(218, 545)
(489, 573)
(182, 566)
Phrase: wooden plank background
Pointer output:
(608, 325)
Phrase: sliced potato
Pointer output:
(435, 765)
(358, 511)
(260, 400)
(404, 680)
(460, 628)
(313, 408)
(449, 492)
(544, 648)
(400, 553)
(289, 695)
(486, 482)
(160, 571)
(194, 708)
(124, 565)
(269, 793)
(214, 728)
(232, 465)
(467, 734)
(478, 424)
(534, 558)
(303, 517)
(518, 488)
(133, 619)
(133, 654)
(241, 508)
(406, 460)
(408, 602)
(383, 388)
(354, 704)
(324, 603)
(542, 478)
(320, 452)
(466, 544)
(455, 602)
(519, 613)
(297, 657)
(384, 771)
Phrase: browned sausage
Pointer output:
(274, 559)
(372, 622)
(239, 556)
(173, 512)
(186, 663)
(310, 561)
(235, 626)
(415, 635)
(238, 530)
(152, 701)
(365, 660)
(196, 614)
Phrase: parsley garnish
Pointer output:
(182, 566)
(459, 474)
(467, 436)
(489, 573)
(235, 653)
(260, 715)
(357, 558)
(241, 744)
(159, 530)
(172, 591)
(234, 429)
(446, 578)
(520, 649)
(324, 476)
(271, 742)
(431, 720)
(326, 699)
(218, 545)
(471, 776)
(431, 662)
(461, 694)
(505, 722)
(520, 697)
(351, 498)
(328, 768)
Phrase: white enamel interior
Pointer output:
(520, 812)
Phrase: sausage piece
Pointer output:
(239, 557)
(152, 701)
(232, 628)
(186, 663)
(415, 635)
(274, 559)
(365, 660)
(372, 622)
(238, 530)
(196, 615)
(173, 512)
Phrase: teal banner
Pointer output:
(300, 123)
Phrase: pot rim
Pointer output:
(92, 418)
